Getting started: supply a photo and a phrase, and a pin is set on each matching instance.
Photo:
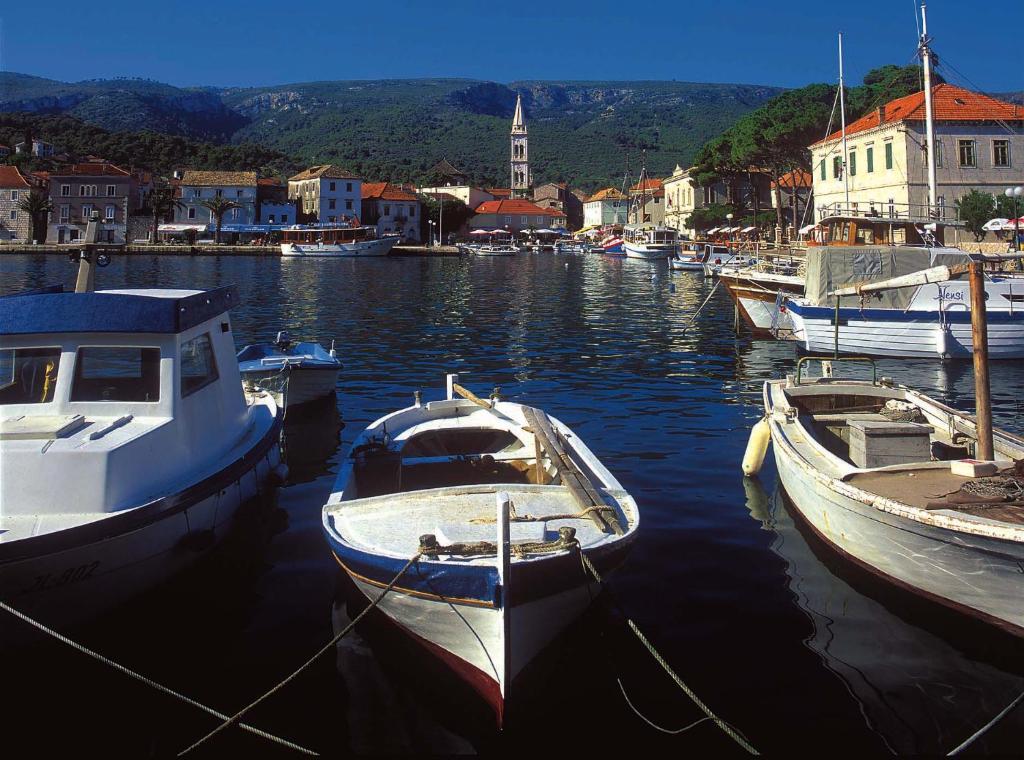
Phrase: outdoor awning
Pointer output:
(181, 228)
(500, 232)
(748, 229)
(480, 232)
(807, 228)
(713, 230)
(545, 231)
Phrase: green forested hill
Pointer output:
(580, 132)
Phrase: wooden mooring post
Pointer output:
(979, 339)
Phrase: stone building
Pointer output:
(393, 210)
(80, 190)
(15, 224)
(327, 194)
(557, 195)
(607, 206)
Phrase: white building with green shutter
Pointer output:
(979, 145)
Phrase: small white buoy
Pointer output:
(757, 447)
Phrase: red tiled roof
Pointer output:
(10, 177)
(647, 184)
(385, 191)
(327, 171)
(270, 182)
(949, 103)
(91, 170)
(512, 207)
(499, 192)
(797, 178)
(608, 194)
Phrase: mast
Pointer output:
(842, 117)
(926, 61)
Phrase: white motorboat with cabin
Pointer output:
(126, 443)
(874, 469)
(497, 250)
(649, 241)
(335, 240)
(497, 500)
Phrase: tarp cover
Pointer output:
(829, 268)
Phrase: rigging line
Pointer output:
(967, 80)
(984, 729)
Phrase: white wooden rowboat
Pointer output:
(499, 500)
(909, 519)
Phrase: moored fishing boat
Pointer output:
(649, 241)
(126, 444)
(335, 240)
(497, 500)
(872, 468)
(759, 291)
(297, 373)
(496, 250)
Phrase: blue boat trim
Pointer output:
(957, 317)
(440, 580)
(34, 313)
(311, 356)
(147, 514)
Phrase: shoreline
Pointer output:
(216, 250)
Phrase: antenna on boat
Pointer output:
(842, 117)
(926, 61)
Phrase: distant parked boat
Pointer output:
(297, 373)
(649, 241)
(335, 240)
(496, 250)
(498, 500)
(126, 443)
(870, 468)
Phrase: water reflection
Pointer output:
(899, 659)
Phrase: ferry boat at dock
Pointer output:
(127, 446)
(335, 240)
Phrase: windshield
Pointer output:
(28, 375)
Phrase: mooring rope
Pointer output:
(148, 681)
(731, 732)
(326, 647)
(701, 307)
(984, 729)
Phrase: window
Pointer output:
(110, 212)
(331, 203)
(198, 369)
(1001, 153)
(239, 193)
(14, 195)
(234, 214)
(387, 211)
(333, 186)
(348, 205)
(28, 375)
(111, 191)
(65, 213)
(967, 153)
(412, 211)
(938, 154)
(191, 212)
(508, 220)
(888, 155)
(86, 211)
(270, 219)
(348, 187)
(116, 373)
(14, 215)
(853, 163)
(869, 159)
(837, 167)
(284, 218)
(524, 220)
(892, 208)
(65, 190)
(823, 176)
(81, 191)
(197, 193)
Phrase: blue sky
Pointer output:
(785, 42)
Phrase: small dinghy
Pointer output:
(126, 443)
(877, 471)
(497, 500)
(296, 373)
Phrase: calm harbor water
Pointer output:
(796, 648)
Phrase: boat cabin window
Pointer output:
(865, 235)
(28, 375)
(198, 368)
(116, 373)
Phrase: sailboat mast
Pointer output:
(842, 117)
(926, 60)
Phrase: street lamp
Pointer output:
(728, 218)
(1013, 193)
(432, 224)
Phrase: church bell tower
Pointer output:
(521, 179)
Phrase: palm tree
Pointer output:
(38, 206)
(218, 206)
(162, 203)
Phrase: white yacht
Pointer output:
(649, 241)
(335, 240)
(126, 443)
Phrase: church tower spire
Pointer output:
(521, 179)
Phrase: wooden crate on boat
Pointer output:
(879, 444)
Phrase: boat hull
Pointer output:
(640, 251)
(73, 575)
(304, 384)
(379, 247)
(976, 575)
(759, 307)
(906, 334)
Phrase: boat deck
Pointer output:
(393, 524)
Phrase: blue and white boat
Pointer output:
(127, 446)
(297, 373)
(498, 500)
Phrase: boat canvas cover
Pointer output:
(829, 268)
